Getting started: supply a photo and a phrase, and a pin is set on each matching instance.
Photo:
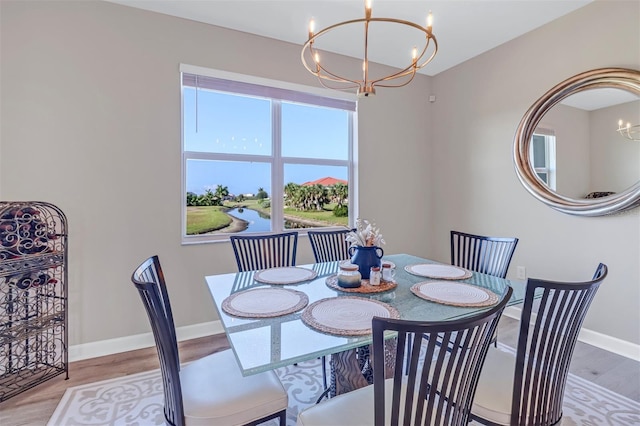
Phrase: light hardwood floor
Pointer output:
(614, 372)
(35, 406)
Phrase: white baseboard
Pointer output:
(593, 338)
(139, 341)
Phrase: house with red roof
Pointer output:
(325, 181)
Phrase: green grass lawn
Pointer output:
(209, 218)
(206, 219)
(325, 216)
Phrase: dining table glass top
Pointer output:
(262, 344)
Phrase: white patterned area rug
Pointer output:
(137, 400)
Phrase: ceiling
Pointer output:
(463, 28)
(595, 99)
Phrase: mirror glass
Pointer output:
(576, 149)
(569, 150)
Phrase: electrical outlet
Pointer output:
(521, 272)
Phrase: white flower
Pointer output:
(366, 234)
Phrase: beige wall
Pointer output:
(91, 122)
(480, 104)
(571, 128)
(591, 155)
(615, 160)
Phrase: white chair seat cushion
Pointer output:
(350, 409)
(494, 393)
(214, 392)
(495, 388)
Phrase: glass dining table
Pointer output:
(262, 344)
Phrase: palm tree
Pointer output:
(317, 197)
(221, 192)
(192, 199)
(339, 193)
(208, 199)
(262, 194)
(290, 191)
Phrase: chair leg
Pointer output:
(324, 371)
(283, 418)
(325, 392)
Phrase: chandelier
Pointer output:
(365, 86)
(630, 132)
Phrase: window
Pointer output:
(543, 155)
(263, 156)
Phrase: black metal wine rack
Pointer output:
(33, 295)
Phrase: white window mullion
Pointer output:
(353, 170)
(315, 161)
(192, 155)
(277, 173)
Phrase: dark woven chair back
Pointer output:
(441, 382)
(329, 246)
(487, 255)
(545, 348)
(265, 251)
(149, 281)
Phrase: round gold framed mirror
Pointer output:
(533, 136)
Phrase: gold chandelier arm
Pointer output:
(365, 64)
(320, 71)
(343, 88)
(328, 74)
(365, 87)
(411, 69)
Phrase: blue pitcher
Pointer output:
(365, 258)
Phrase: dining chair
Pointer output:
(210, 390)
(329, 246)
(487, 255)
(439, 386)
(254, 252)
(527, 388)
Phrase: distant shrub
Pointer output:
(265, 203)
(341, 211)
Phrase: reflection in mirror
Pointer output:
(568, 152)
(576, 149)
(543, 156)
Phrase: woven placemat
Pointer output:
(454, 293)
(438, 271)
(285, 275)
(264, 302)
(346, 315)
(365, 286)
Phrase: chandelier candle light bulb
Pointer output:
(312, 27)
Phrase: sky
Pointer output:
(229, 124)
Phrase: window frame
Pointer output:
(550, 156)
(276, 160)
